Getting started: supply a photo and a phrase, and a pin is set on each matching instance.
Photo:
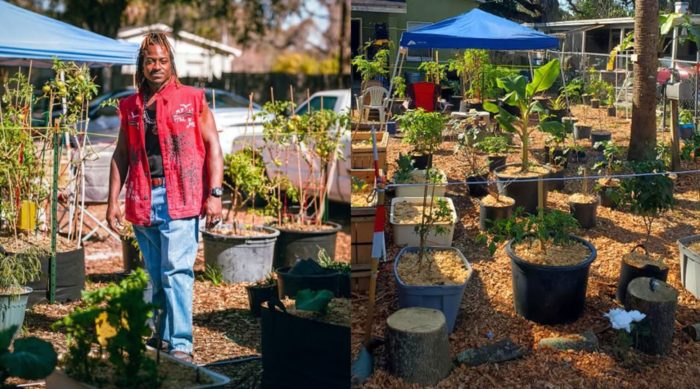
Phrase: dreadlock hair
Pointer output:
(158, 39)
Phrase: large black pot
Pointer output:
(496, 161)
(522, 190)
(557, 175)
(303, 353)
(582, 131)
(550, 294)
(629, 272)
(600, 136)
(585, 213)
(289, 284)
(70, 278)
(612, 111)
(477, 186)
(420, 161)
(489, 214)
(293, 245)
(595, 103)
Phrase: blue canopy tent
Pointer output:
(25, 35)
(475, 29)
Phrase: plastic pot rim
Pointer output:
(585, 263)
(272, 233)
(25, 291)
(285, 270)
(450, 204)
(683, 244)
(336, 227)
(440, 248)
(497, 172)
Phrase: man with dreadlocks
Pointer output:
(168, 154)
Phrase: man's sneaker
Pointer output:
(181, 355)
(153, 342)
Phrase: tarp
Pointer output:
(27, 35)
(477, 29)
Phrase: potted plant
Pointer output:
(315, 139)
(107, 346)
(243, 252)
(558, 108)
(555, 156)
(434, 179)
(520, 94)
(549, 266)
(362, 214)
(477, 173)
(260, 292)
(471, 67)
(16, 272)
(31, 358)
(496, 149)
(648, 196)
(434, 71)
(399, 93)
(423, 131)
(608, 188)
(686, 125)
(371, 68)
(583, 205)
(406, 218)
(610, 100)
(494, 207)
(309, 274)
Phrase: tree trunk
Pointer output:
(418, 346)
(646, 36)
(658, 302)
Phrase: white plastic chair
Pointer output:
(377, 100)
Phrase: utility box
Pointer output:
(680, 91)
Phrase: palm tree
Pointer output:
(646, 36)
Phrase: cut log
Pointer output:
(657, 300)
(693, 331)
(418, 345)
(501, 351)
(586, 341)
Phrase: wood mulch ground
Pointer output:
(487, 314)
(223, 326)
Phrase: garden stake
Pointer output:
(363, 366)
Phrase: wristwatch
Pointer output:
(217, 192)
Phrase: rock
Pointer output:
(501, 351)
(586, 341)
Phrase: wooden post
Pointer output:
(540, 196)
(418, 345)
(675, 142)
(657, 300)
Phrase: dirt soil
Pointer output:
(487, 314)
(223, 325)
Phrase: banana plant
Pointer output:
(519, 94)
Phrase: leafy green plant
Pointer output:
(493, 145)
(467, 145)
(648, 195)
(327, 262)
(691, 147)
(548, 226)
(422, 130)
(270, 279)
(612, 162)
(358, 185)
(18, 270)
(559, 103)
(404, 168)
(213, 274)
(31, 358)
(470, 67)
(371, 68)
(573, 89)
(685, 116)
(438, 210)
(434, 71)
(246, 177)
(520, 94)
(399, 87)
(109, 329)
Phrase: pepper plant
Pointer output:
(520, 94)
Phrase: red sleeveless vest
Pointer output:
(178, 109)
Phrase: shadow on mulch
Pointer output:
(243, 375)
(105, 277)
(237, 324)
(34, 321)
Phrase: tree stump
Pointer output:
(657, 300)
(418, 345)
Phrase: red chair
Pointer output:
(424, 95)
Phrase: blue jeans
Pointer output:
(169, 250)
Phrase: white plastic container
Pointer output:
(406, 235)
(416, 190)
(690, 265)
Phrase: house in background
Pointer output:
(195, 57)
(385, 20)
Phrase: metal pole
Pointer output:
(54, 216)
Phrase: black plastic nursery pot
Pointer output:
(131, 255)
(522, 190)
(595, 103)
(612, 111)
(569, 122)
(496, 161)
(608, 196)
(582, 131)
(289, 284)
(293, 244)
(488, 214)
(550, 294)
(303, 353)
(584, 213)
(420, 161)
(628, 272)
(477, 185)
(600, 136)
(258, 295)
(557, 176)
(70, 278)
(556, 156)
